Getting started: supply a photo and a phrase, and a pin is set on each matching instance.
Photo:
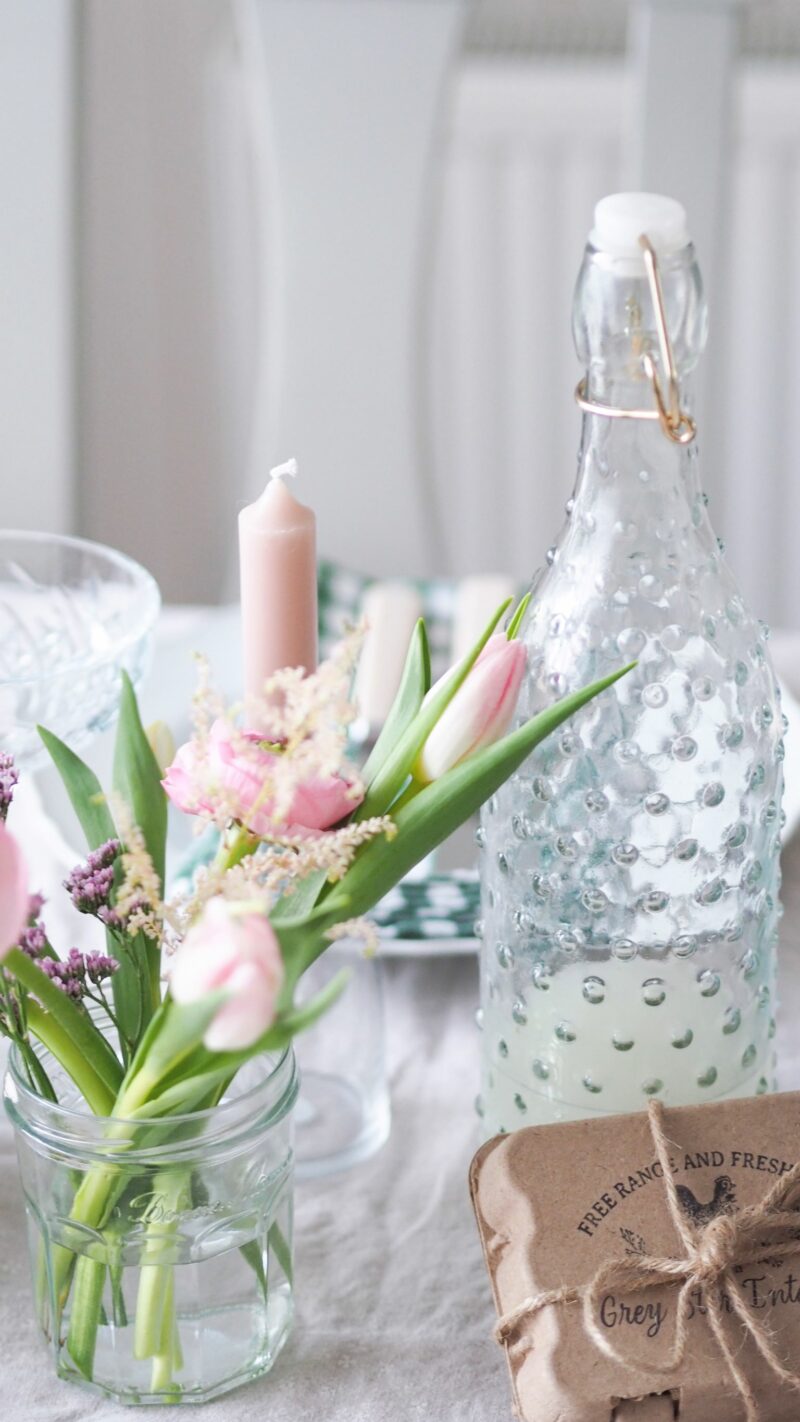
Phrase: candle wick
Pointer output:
(290, 468)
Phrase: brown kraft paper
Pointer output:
(554, 1203)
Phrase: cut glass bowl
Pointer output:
(73, 614)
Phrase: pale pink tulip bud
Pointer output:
(232, 949)
(480, 712)
(14, 892)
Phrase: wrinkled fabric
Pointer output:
(394, 1312)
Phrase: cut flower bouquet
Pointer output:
(151, 1083)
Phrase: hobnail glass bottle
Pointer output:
(630, 869)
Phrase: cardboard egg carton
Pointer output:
(553, 1203)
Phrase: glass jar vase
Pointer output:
(161, 1250)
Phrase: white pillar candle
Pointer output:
(391, 611)
(476, 600)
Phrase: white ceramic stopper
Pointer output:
(620, 219)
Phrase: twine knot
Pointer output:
(771, 1227)
(716, 1249)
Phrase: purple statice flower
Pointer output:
(67, 974)
(76, 963)
(110, 917)
(99, 967)
(76, 972)
(9, 776)
(33, 940)
(34, 936)
(90, 884)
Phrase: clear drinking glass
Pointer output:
(630, 869)
(343, 1112)
(161, 1251)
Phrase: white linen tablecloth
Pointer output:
(393, 1306)
(394, 1312)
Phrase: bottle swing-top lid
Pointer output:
(621, 218)
(643, 228)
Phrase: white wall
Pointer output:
(533, 146)
(167, 280)
(168, 291)
(36, 263)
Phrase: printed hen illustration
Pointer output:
(723, 1202)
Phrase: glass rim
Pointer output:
(145, 591)
(628, 266)
(261, 1105)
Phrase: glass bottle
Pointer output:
(630, 869)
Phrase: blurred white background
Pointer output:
(235, 230)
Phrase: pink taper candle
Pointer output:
(278, 570)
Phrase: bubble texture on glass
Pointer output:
(632, 862)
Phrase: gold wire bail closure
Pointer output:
(676, 423)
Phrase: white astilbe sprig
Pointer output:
(207, 702)
(271, 872)
(185, 906)
(137, 900)
(308, 717)
(274, 870)
(363, 930)
(303, 738)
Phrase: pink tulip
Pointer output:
(480, 712)
(239, 777)
(180, 781)
(14, 894)
(234, 950)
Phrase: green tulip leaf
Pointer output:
(137, 778)
(301, 1018)
(516, 621)
(135, 985)
(209, 1068)
(137, 781)
(438, 809)
(414, 686)
(300, 899)
(394, 773)
(84, 790)
(85, 1038)
(169, 1050)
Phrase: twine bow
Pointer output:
(770, 1228)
